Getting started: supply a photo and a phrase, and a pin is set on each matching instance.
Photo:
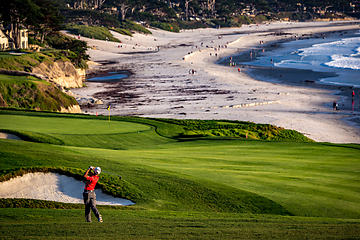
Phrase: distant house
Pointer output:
(4, 42)
(6, 38)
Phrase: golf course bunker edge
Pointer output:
(53, 187)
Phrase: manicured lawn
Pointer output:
(69, 224)
(308, 179)
(68, 126)
(191, 188)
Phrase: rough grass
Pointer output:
(30, 93)
(122, 31)
(132, 26)
(100, 33)
(165, 26)
(28, 60)
(69, 224)
(23, 62)
(236, 129)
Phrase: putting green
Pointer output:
(76, 126)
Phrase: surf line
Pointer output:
(244, 105)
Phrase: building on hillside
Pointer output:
(24, 40)
(6, 38)
(4, 41)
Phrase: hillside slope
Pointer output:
(31, 93)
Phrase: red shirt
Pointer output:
(91, 182)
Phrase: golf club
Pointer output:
(112, 174)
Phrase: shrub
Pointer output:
(236, 129)
(24, 93)
(100, 33)
(130, 25)
(165, 26)
(71, 49)
(123, 31)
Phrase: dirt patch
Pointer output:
(2, 102)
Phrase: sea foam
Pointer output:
(335, 54)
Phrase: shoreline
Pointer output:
(162, 86)
(303, 77)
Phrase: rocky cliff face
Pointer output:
(71, 109)
(63, 73)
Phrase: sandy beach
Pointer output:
(161, 86)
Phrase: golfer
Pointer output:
(89, 193)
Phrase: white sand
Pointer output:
(165, 89)
(9, 136)
(53, 187)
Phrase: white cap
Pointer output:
(97, 170)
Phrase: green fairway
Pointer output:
(307, 179)
(185, 187)
(68, 224)
(68, 126)
(93, 133)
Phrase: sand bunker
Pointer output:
(53, 187)
(9, 136)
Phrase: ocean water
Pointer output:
(337, 54)
(109, 77)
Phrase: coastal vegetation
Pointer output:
(22, 61)
(198, 14)
(59, 47)
(23, 91)
(70, 48)
(26, 60)
(91, 32)
(182, 187)
(165, 26)
(235, 129)
(28, 92)
(41, 16)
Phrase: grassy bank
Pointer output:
(100, 33)
(69, 49)
(32, 93)
(23, 62)
(189, 187)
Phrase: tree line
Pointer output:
(40, 16)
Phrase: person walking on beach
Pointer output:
(89, 193)
(353, 94)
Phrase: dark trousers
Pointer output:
(90, 203)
